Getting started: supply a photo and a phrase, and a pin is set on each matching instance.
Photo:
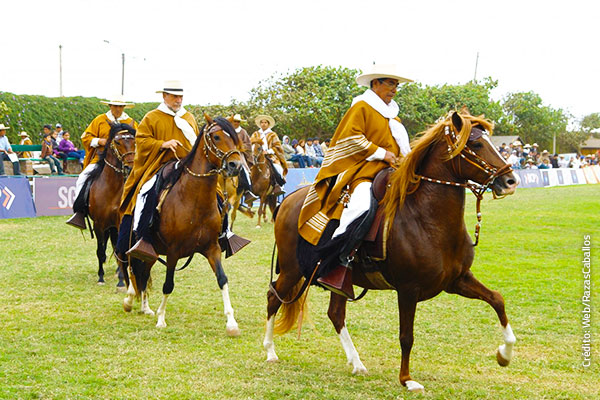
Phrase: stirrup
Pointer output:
(143, 251)
(77, 220)
(339, 281)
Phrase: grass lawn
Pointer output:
(64, 337)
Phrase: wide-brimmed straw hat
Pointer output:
(238, 117)
(527, 146)
(267, 117)
(117, 100)
(24, 133)
(172, 87)
(517, 143)
(380, 71)
(3, 127)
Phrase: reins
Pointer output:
(478, 189)
(122, 170)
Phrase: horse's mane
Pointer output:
(114, 129)
(187, 160)
(405, 180)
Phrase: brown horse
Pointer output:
(428, 247)
(190, 221)
(260, 174)
(106, 187)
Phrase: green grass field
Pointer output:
(64, 337)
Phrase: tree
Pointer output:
(590, 124)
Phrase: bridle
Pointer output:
(478, 189)
(255, 157)
(209, 146)
(120, 157)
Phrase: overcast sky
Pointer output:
(222, 49)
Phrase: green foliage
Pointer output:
(30, 113)
(590, 124)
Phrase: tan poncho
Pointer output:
(155, 129)
(360, 133)
(98, 128)
(274, 144)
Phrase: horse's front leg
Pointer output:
(101, 241)
(214, 259)
(261, 210)
(406, 310)
(468, 286)
(337, 315)
(167, 290)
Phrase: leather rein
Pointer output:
(122, 170)
(209, 146)
(478, 189)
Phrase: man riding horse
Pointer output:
(272, 149)
(369, 138)
(245, 147)
(94, 139)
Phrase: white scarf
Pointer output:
(181, 123)
(238, 129)
(389, 111)
(112, 118)
(263, 136)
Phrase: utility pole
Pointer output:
(123, 75)
(476, 62)
(60, 69)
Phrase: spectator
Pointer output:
(503, 147)
(291, 153)
(46, 130)
(319, 154)
(526, 150)
(530, 164)
(325, 145)
(59, 131)
(575, 162)
(310, 153)
(554, 161)
(6, 151)
(57, 153)
(514, 160)
(67, 147)
(25, 140)
(562, 163)
(545, 164)
(48, 155)
(534, 152)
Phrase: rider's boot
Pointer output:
(77, 220)
(277, 190)
(144, 251)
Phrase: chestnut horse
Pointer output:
(108, 179)
(260, 175)
(428, 247)
(190, 221)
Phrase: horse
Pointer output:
(260, 175)
(107, 181)
(190, 220)
(428, 247)
(234, 196)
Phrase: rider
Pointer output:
(369, 138)
(166, 133)
(94, 139)
(245, 146)
(272, 149)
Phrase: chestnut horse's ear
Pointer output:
(208, 119)
(457, 121)
(230, 119)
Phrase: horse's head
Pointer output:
(474, 157)
(220, 145)
(122, 144)
(257, 149)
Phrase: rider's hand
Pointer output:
(390, 157)
(102, 142)
(171, 145)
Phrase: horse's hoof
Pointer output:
(414, 387)
(161, 324)
(148, 311)
(272, 359)
(258, 226)
(100, 283)
(503, 362)
(233, 331)
(127, 306)
(359, 370)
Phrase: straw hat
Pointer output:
(117, 100)
(24, 133)
(2, 127)
(380, 71)
(267, 117)
(238, 117)
(535, 145)
(172, 87)
(527, 146)
(517, 143)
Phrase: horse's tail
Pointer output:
(290, 313)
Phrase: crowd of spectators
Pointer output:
(306, 153)
(528, 156)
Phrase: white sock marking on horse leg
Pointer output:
(509, 341)
(162, 309)
(145, 306)
(232, 328)
(414, 386)
(128, 301)
(351, 353)
(268, 342)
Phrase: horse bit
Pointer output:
(120, 157)
(478, 189)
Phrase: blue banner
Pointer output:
(299, 177)
(15, 198)
(531, 178)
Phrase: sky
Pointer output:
(222, 49)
